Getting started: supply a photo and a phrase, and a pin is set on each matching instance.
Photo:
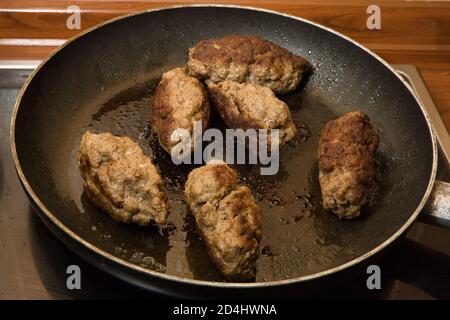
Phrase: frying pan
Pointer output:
(103, 80)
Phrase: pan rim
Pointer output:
(84, 243)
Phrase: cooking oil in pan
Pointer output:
(299, 237)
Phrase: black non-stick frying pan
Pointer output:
(103, 80)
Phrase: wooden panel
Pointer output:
(24, 52)
(438, 83)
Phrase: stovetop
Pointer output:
(33, 262)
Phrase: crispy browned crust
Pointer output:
(347, 148)
(227, 217)
(251, 106)
(179, 100)
(247, 59)
(229, 110)
(121, 179)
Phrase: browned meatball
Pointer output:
(179, 100)
(121, 179)
(227, 217)
(247, 59)
(245, 106)
(347, 149)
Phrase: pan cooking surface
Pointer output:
(299, 237)
(104, 81)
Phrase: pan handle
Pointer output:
(437, 208)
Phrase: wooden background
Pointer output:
(412, 32)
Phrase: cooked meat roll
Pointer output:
(179, 100)
(121, 179)
(347, 149)
(227, 217)
(248, 106)
(247, 59)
